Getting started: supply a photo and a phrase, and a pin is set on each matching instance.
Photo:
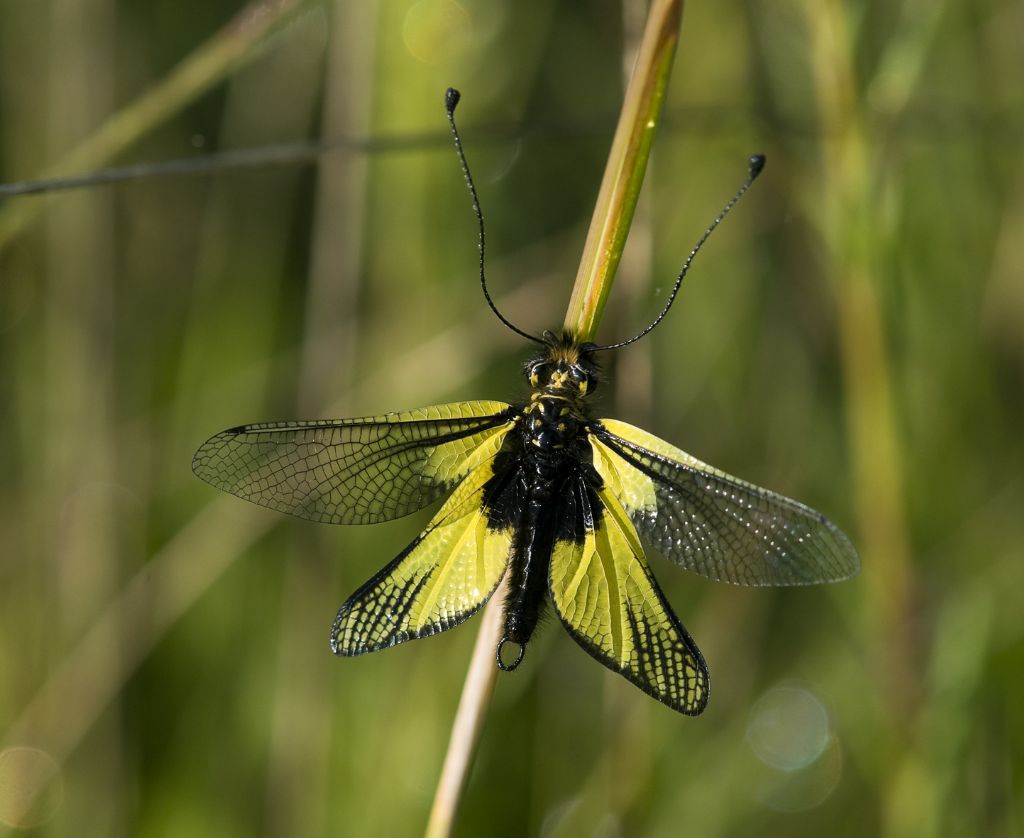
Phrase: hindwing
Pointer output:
(437, 582)
(610, 603)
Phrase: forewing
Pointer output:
(712, 523)
(437, 582)
(355, 471)
(610, 603)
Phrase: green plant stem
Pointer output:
(613, 213)
(624, 172)
(198, 72)
(853, 230)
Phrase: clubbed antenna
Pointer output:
(451, 100)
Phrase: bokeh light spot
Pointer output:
(788, 728)
(31, 788)
(798, 791)
(436, 30)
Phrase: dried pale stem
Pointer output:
(616, 203)
(469, 719)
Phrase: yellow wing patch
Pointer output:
(633, 488)
(452, 461)
(608, 600)
(631, 433)
(441, 579)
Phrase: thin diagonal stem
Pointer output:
(199, 71)
(469, 719)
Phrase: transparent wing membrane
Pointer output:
(355, 471)
(712, 523)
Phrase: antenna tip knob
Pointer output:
(451, 99)
(756, 164)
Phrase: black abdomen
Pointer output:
(547, 443)
(528, 569)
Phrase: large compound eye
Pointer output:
(536, 370)
(579, 378)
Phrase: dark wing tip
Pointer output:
(636, 678)
(336, 647)
(702, 702)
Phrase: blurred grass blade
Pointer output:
(854, 231)
(208, 64)
(221, 532)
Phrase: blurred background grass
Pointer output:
(852, 337)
